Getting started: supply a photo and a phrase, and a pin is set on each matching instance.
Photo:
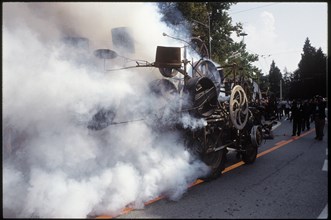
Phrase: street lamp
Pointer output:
(243, 34)
(209, 37)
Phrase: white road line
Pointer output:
(324, 213)
(278, 123)
(325, 165)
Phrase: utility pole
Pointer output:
(209, 36)
(281, 90)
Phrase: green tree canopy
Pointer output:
(274, 79)
(310, 78)
(198, 17)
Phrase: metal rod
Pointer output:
(122, 122)
(209, 36)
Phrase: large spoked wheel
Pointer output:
(238, 107)
(207, 68)
(248, 90)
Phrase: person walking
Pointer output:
(319, 116)
(297, 115)
(290, 103)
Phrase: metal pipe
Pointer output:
(209, 36)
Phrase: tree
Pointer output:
(264, 84)
(320, 73)
(274, 79)
(215, 16)
(286, 83)
(310, 78)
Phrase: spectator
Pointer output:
(319, 116)
(307, 110)
(289, 110)
(283, 103)
(297, 115)
(279, 110)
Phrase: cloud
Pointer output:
(262, 35)
(263, 39)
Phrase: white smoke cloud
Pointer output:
(53, 165)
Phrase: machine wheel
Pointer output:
(256, 135)
(248, 90)
(168, 72)
(200, 47)
(207, 68)
(238, 107)
(249, 156)
(216, 161)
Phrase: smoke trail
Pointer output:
(53, 166)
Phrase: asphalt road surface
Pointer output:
(289, 179)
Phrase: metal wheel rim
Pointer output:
(238, 107)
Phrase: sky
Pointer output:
(278, 30)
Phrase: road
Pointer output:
(289, 179)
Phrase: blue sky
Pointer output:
(277, 31)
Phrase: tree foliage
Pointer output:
(274, 79)
(286, 83)
(310, 78)
(199, 17)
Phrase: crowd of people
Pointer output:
(300, 112)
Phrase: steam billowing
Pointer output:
(53, 166)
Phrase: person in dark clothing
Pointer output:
(319, 116)
(297, 116)
(307, 110)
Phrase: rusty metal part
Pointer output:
(202, 96)
(207, 68)
(168, 57)
(200, 47)
(256, 135)
(168, 72)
